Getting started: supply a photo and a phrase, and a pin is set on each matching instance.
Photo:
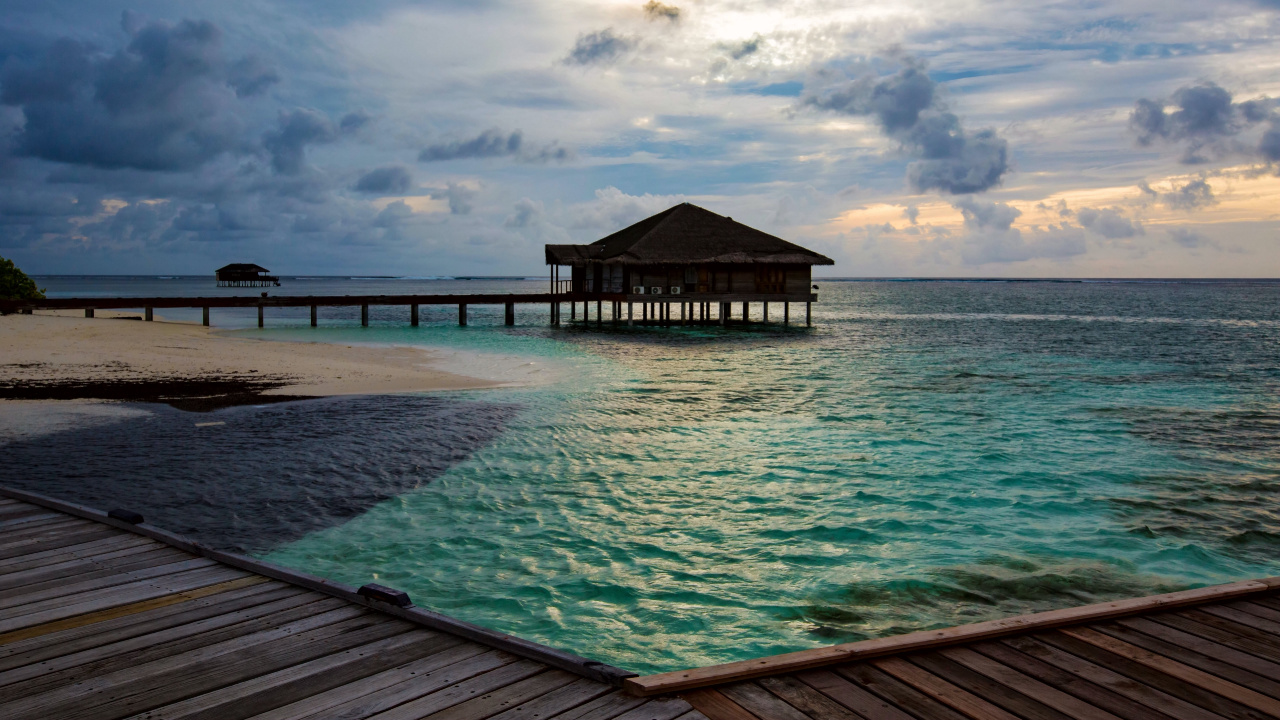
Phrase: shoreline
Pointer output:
(58, 357)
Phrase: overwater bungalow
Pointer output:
(686, 257)
(244, 275)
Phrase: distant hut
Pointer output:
(245, 275)
(687, 254)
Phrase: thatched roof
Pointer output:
(684, 235)
(243, 268)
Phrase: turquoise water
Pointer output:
(927, 454)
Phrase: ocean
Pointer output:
(929, 453)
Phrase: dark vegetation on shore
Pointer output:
(202, 394)
(15, 285)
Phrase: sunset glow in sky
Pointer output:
(1129, 138)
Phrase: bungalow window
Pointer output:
(771, 280)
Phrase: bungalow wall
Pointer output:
(762, 278)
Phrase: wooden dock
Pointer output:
(104, 618)
(1203, 654)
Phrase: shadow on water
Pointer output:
(251, 478)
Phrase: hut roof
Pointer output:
(242, 267)
(686, 234)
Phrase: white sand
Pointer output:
(54, 345)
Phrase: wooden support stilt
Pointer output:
(724, 313)
(808, 314)
(364, 316)
(204, 320)
(314, 312)
(599, 312)
(462, 314)
(573, 310)
(413, 315)
(682, 312)
(766, 312)
(146, 314)
(88, 312)
(511, 314)
(786, 313)
(260, 316)
(746, 311)
(630, 314)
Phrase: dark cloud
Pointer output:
(600, 47)
(991, 238)
(1109, 223)
(354, 121)
(655, 10)
(495, 143)
(168, 101)
(912, 214)
(1269, 146)
(298, 129)
(1188, 238)
(390, 180)
(746, 47)
(1204, 121)
(527, 213)
(906, 106)
(1193, 195)
(461, 198)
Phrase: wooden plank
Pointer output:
(161, 682)
(1171, 667)
(809, 702)
(897, 692)
(27, 520)
(30, 678)
(122, 595)
(41, 558)
(410, 683)
(1195, 652)
(606, 707)
(462, 692)
(75, 591)
(716, 706)
(944, 692)
(658, 709)
(929, 639)
(1250, 653)
(505, 697)
(1134, 677)
(77, 639)
(1042, 693)
(93, 617)
(693, 715)
(983, 687)
(1268, 626)
(573, 695)
(1254, 609)
(25, 537)
(73, 536)
(80, 566)
(1227, 632)
(1060, 679)
(323, 703)
(266, 692)
(851, 696)
(760, 702)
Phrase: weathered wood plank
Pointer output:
(29, 679)
(661, 709)
(944, 692)
(575, 694)
(73, 536)
(854, 697)
(983, 687)
(1176, 669)
(272, 690)
(716, 705)
(606, 707)
(1067, 682)
(39, 558)
(505, 697)
(1133, 677)
(1042, 693)
(929, 639)
(1170, 640)
(897, 692)
(1256, 610)
(462, 692)
(1227, 632)
(122, 595)
(808, 701)
(693, 715)
(77, 639)
(760, 702)
(46, 598)
(27, 520)
(383, 685)
(87, 618)
(1234, 613)
(81, 566)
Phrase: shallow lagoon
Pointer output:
(929, 453)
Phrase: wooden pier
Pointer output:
(708, 309)
(102, 618)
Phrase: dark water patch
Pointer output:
(251, 478)
(202, 394)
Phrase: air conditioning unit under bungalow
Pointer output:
(655, 290)
(637, 289)
(675, 289)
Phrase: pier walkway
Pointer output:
(101, 618)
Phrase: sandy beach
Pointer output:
(63, 349)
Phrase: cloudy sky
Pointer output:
(1133, 138)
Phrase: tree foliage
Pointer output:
(15, 285)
